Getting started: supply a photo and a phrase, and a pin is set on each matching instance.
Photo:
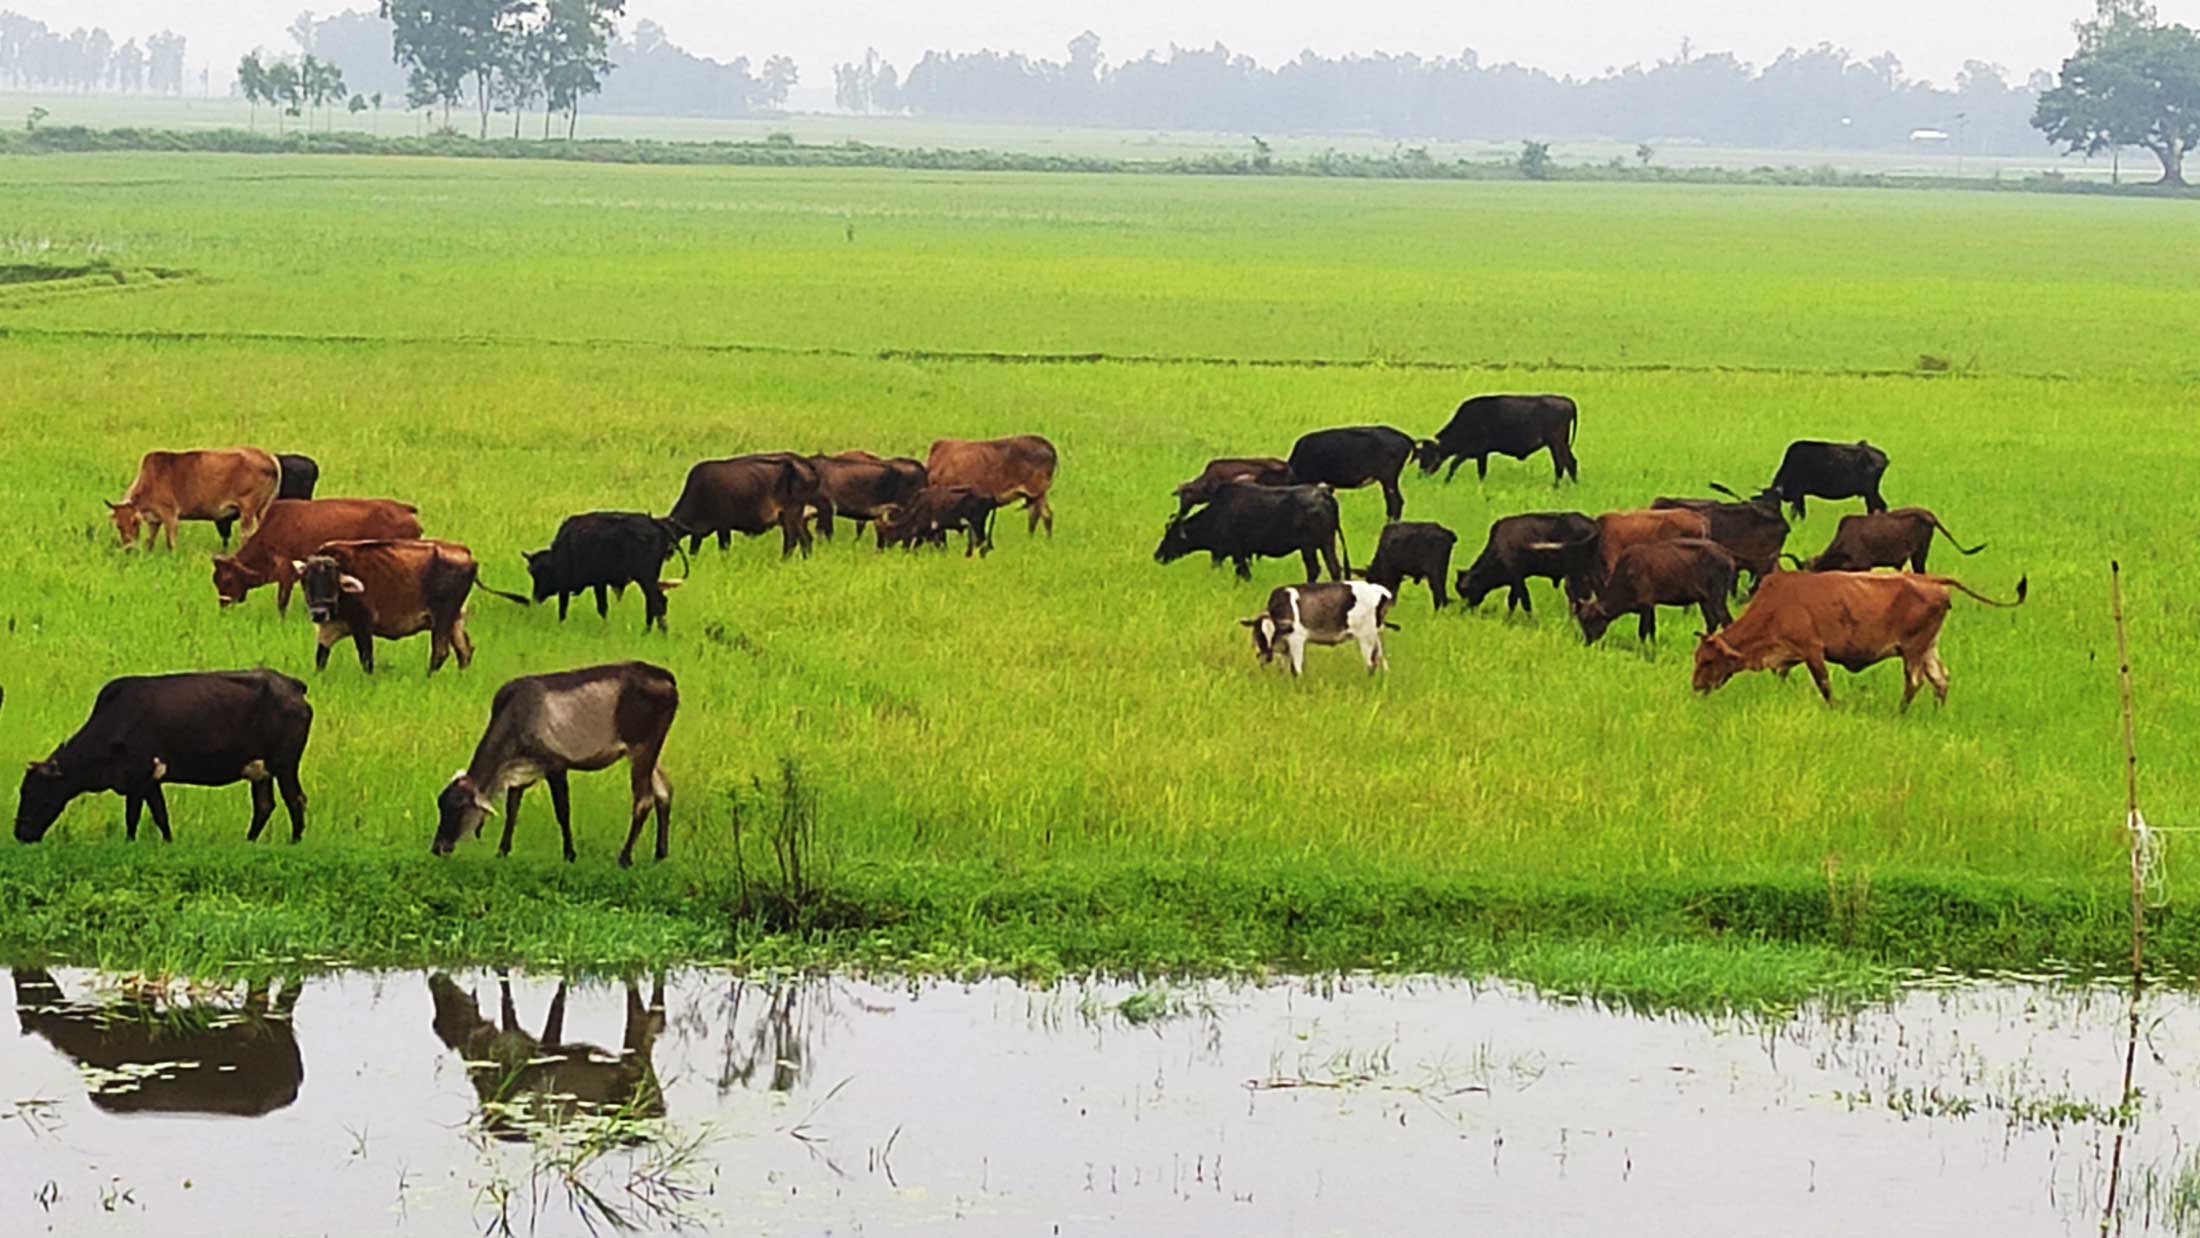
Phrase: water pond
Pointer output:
(707, 1103)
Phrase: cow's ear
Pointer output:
(116, 507)
(351, 583)
(530, 555)
(1249, 621)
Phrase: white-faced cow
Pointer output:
(198, 728)
(606, 551)
(1328, 613)
(1413, 550)
(1849, 619)
(1828, 471)
(1348, 457)
(1020, 466)
(392, 589)
(1503, 425)
(173, 486)
(1246, 521)
(1884, 539)
(1685, 572)
(542, 726)
(1553, 546)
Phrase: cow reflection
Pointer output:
(529, 1082)
(146, 1054)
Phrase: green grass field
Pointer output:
(505, 344)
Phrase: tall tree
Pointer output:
(576, 53)
(2132, 82)
(780, 76)
(252, 83)
(447, 43)
(164, 63)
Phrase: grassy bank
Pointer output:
(1701, 942)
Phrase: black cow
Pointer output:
(198, 728)
(602, 551)
(209, 1054)
(1828, 471)
(1752, 529)
(1506, 425)
(1556, 546)
(1244, 521)
(1413, 550)
(1686, 571)
(1349, 457)
(300, 476)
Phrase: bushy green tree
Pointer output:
(2132, 82)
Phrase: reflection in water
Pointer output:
(143, 1053)
(769, 1033)
(529, 1082)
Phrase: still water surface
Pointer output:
(426, 1104)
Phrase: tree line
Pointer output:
(33, 57)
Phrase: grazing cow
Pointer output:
(860, 484)
(749, 495)
(1617, 531)
(300, 476)
(1851, 619)
(1884, 539)
(1828, 471)
(542, 726)
(1555, 546)
(392, 588)
(1506, 425)
(602, 551)
(934, 512)
(1020, 466)
(1246, 521)
(210, 1054)
(197, 728)
(1752, 529)
(1322, 614)
(526, 1083)
(1413, 550)
(295, 528)
(1684, 572)
(1349, 457)
(173, 486)
(1226, 470)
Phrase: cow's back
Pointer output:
(209, 481)
(1018, 465)
(406, 579)
(294, 528)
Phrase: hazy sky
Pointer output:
(1933, 37)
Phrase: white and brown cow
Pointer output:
(1328, 613)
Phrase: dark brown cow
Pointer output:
(295, 528)
(750, 494)
(1556, 546)
(1225, 470)
(1884, 539)
(860, 484)
(173, 486)
(392, 588)
(1617, 531)
(529, 1083)
(1752, 530)
(1020, 466)
(934, 512)
(1850, 619)
(1683, 572)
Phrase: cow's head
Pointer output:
(232, 579)
(46, 791)
(125, 516)
(1176, 541)
(1589, 612)
(891, 522)
(1716, 661)
(1268, 632)
(1481, 578)
(1429, 454)
(542, 573)
(462, 806)
(324, 581)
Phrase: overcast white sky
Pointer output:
(1933, 37)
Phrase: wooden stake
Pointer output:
(2134, 826)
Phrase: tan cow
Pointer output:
(173, 486)
(1020, 466)
(1851, 619)
(295, 528)
(1885, 539)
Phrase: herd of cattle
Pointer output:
(368, 573)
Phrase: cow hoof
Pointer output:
(626, 859)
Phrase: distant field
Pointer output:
(508, 344)
(106, 111)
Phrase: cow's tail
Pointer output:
(2024, 584)
(686, 565)
(1719, 489)
(509, 597)
(1573, 422)
(1952, 539)
(1344, 552)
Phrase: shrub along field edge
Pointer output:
(1700, 943)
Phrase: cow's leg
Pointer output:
(439, 646)
(222, 525)
(1371, 650)
(1872, 501)
(1046, 513)
(656, 793)
(641, 765)
(553, 1022)
(561, 803)
(168, 523)
(1913, 674)
(132, 808)
(159, 804)
(1453, 471)
(1436, 586)
(1482, 467)
(363, 639)
(725, 541)
(461, 643)
(1936, 672)
(285, 581)
(1520, 596)
(324, 638)
(507, 1009)
(1797, 504)
(511, 818)
(1244, 567)
(1329, 557)
(653, 605)
(1646, 623)
(1394, 501)
(294, 799)
(563, 600)
(603, 602)
(1917, 560)
(1295, 645)
(263, 807)
(1313, 565)
(1715, 614)
(1816, 663)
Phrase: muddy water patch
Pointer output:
(403, 1102)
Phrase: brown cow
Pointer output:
(1683, 572)
(392, 588)
(1751, 529)
(173, 486)
(1851, 619)
(1225, 470)
(295, 528)
(750, 494)
(1020, 466)
(1884, 539)
(934, 512)
(1616, 531)
(860, 484)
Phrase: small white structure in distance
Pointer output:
(1928, 135)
